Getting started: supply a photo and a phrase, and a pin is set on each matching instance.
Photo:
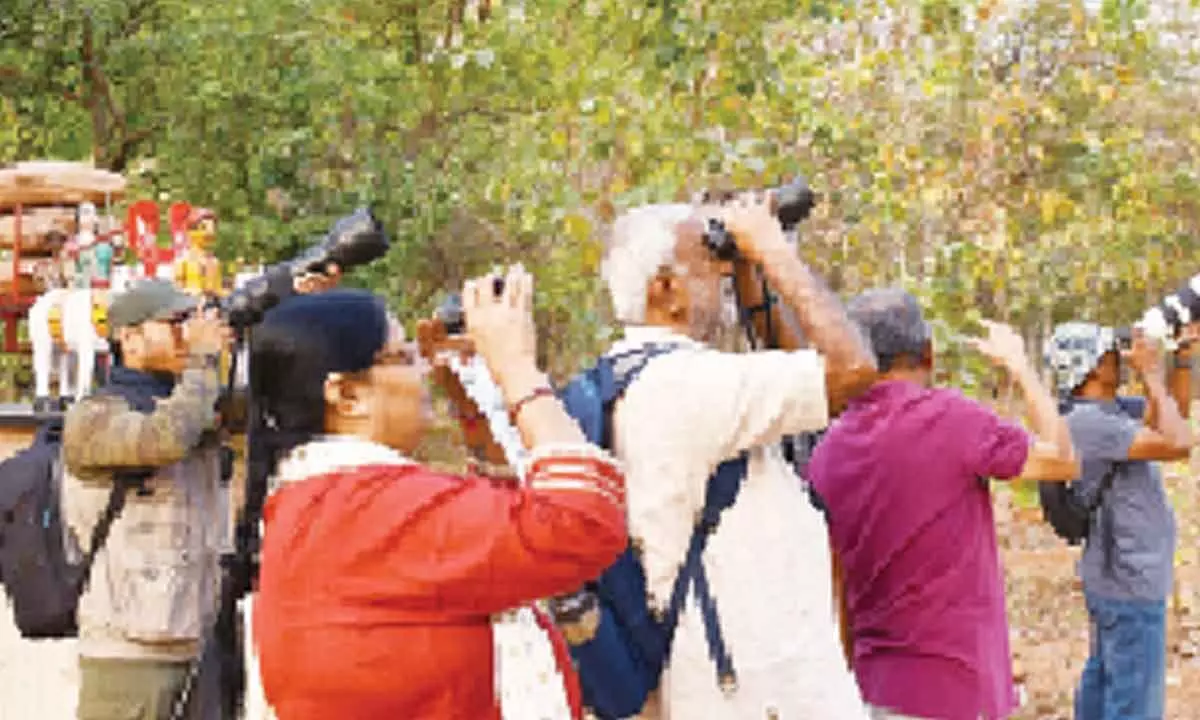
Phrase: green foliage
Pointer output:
(1028, 164)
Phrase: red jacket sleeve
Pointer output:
(429, 543)
(494, 547)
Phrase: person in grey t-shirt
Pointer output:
(1126, 565)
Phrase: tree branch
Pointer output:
(129, 144)
(138, 15)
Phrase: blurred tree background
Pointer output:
(1027, 161)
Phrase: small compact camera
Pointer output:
(450, 312)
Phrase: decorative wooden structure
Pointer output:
(38, 205)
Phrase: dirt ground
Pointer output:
(1049, 630)
(1048, 622)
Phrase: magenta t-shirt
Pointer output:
(900, 471)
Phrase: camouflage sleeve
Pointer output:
(103, 432)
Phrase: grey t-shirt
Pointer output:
(1130, 550)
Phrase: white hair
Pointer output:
(641, 243)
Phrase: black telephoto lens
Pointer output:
(794, 202)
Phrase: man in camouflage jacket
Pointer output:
(154, 584)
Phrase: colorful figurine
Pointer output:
(198, 270)
(94, 254)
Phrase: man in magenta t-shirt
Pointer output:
(903, 473)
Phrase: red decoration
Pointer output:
(143, 236)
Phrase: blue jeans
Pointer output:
(1125, 675)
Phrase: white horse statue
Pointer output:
(62, 326)
(63, 320)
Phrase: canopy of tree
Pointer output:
(1028, 161)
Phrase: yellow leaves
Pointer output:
(933, 196)
(1087, 83)
(1047, 207)
(1107, 93)
(590, 255)
(576, 226)
(1054, 206)
(1078, 16)
(888, 155)
(1124, 74)
(603, 114)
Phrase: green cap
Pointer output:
(148, 300)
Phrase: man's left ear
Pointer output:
(927, 355)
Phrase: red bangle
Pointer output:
(540, 391)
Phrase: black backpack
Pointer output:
(42, 584)
(1067, 510)
(1065, 506)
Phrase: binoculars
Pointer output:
(792, 204)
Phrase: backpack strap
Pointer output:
(1105, 483)
(1094, 507)
(626, 367)
(722, 490)
(122, 484)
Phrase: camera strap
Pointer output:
(770, 342)
(746, 315)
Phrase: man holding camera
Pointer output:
(767, 562)
(153, 428)
(1128, 559)
(153, 583)
(903, 473)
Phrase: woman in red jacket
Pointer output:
(379, 577)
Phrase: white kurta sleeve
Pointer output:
(689, 411)
(723, 403)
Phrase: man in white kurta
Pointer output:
(768, 562)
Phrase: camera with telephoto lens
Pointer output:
(1166, 320)
(353, 240)
(793, 203)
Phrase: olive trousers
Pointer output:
(112, 689)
